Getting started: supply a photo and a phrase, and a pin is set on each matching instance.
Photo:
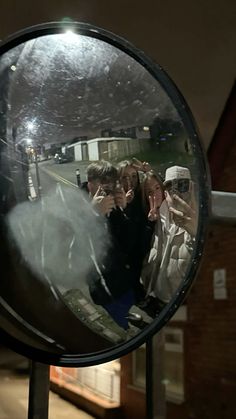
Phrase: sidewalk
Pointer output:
(14, 387)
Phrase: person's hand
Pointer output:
(120, 198)
(129, 196)
(141, 166)
(153, 212)
(130, 192)
(185, 216)
(102, 202)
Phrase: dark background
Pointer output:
(194, 41)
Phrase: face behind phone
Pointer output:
(182, 188)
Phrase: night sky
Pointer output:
(65, 86)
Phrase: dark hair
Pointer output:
(101, 170)
(147, 176)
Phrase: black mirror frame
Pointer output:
(74, 360)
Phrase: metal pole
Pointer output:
(149, 380)
(38, 391)
(37, 174)
(155, 388)
(78, 179)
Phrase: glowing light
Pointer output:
(28, 141)
(69, 32)
(30, 125)
(13, 67)
(71, 36)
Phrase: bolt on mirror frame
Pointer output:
(204, 194)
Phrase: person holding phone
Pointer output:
(115, 282)
(166, 264)
(179, 192)
(152, 197)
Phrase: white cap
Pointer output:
(177, 172)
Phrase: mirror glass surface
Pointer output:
(100, 195)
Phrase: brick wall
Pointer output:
(210, 337)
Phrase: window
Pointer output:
(139, 367)
(102, 380)
(173, 365)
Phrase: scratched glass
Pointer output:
(100, 196)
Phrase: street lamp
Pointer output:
(31, 128)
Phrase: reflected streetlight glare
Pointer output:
(71, 36)
(69, 32)
(30, 126)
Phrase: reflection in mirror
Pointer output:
(99, 190)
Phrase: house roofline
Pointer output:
(223, 138)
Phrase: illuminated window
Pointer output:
(139, 367)
(100, 380)
(174, 364)
(103, 380)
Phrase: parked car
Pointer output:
(62, 158)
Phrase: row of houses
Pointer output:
(108, 148)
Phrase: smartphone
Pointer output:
(180, 187)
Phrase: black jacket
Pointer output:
(120, 268)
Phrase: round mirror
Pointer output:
(104, 195)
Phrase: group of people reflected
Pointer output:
(152, 226)
(151, 223)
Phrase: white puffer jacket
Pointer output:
(166, 264)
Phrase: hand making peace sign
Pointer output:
(130, 192)
(153, 212)
(104, 203)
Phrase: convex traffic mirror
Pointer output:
(104, 195)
